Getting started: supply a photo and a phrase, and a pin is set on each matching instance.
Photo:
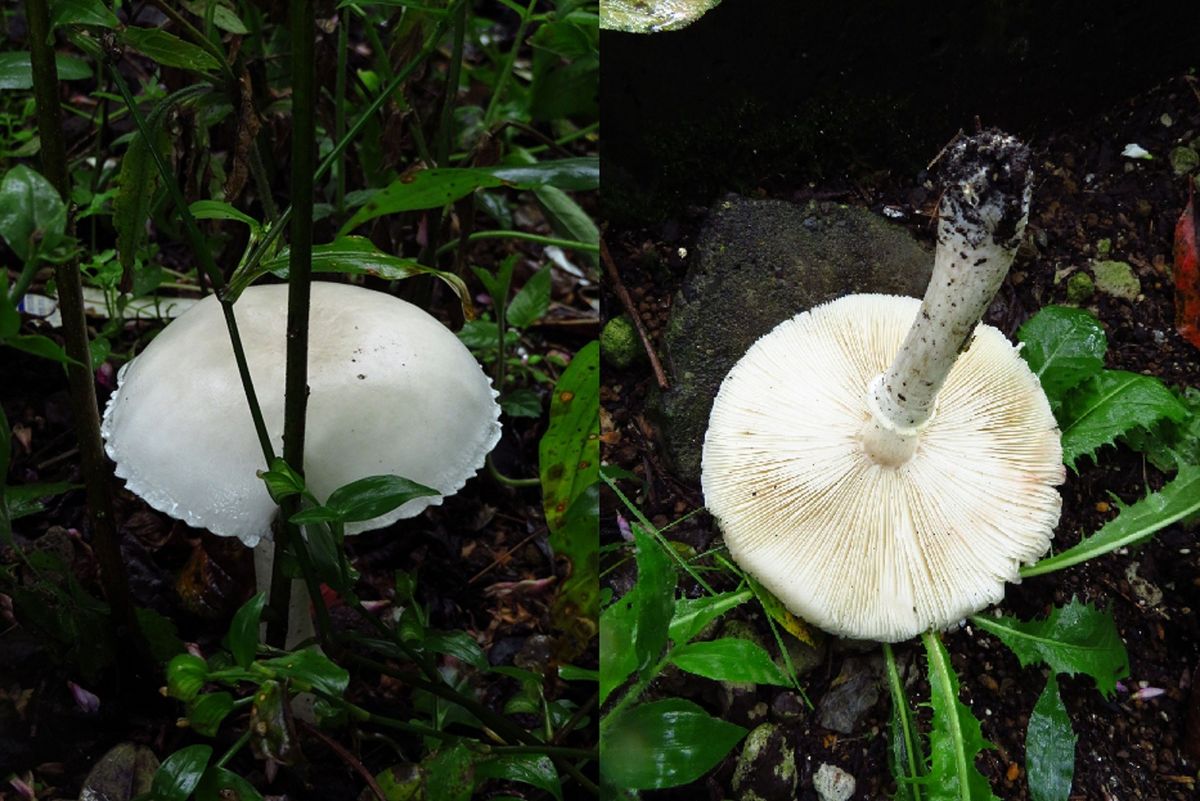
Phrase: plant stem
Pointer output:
(506, 69)
(339, 109)
(79, 372)
(207, 264)
(508, 481)
(238, 745)
(302, 26)
(444, 134)
(268, 240)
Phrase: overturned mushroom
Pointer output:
(391, 391)
(884, 465)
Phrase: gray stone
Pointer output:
(832, 783)
(1116, 278)
(805, 658)
(758, 263)
(854, 692)
(766, 768)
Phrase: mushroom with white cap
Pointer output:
(885, 465)
(391, 391)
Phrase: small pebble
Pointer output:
(1014, 772)
(1102, 507)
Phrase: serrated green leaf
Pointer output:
(179, 773)
(33, 217)
(1177, 500)
(533, 301)
(169, 50)
(569, 451)
(1170, 445)
(729, 659)
(655, 599)
(207, 711)
(243, 631)
(533, 769)
(434, 188)
(1075, 638)
(1050, 747)
(664, 744)
(956, 738)
(1063, 347)
(1109, 405)
(693, 614)
(186, 674)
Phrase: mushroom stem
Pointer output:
(982, 218)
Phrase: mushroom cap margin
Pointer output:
(861, 550)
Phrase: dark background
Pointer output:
(777, 93)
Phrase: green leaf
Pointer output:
(243, 631)
(640, 16)
(223, 16)
(693, 614)
(522, 402)
(26, 499)
(438, 187)
(81, 12)
(218, 210)
(956, 738)
(219, 784)
(1063, 347)
(1050, 747)
(374, 496)
(566, 68)
(729, 659)
(169, 50)
(1075, 638)
(33, 217)
(450, 774)
(458, 644)
(568, 220)
(664, 744)
(179, 773)
(6, 538)
(1111, 404)
(354, 255)
(137, 181)
(484, 334)
(655, 600)
(1177, 500)
(160, 633)
(40, 346)
(186, 674)
(16, 72)
(574, 673)
(905, 758)
(617, 658)
(532, 769)
(309, 668)
(533, 301)
(1170, 445)
(577, 598)
(569, 452)
(281, 480)
(207, 711)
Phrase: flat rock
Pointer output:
(766, 768)
(854, 692)
(758, 263)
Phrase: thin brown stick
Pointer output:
(497, 560)
(614, 277)
(346, 757)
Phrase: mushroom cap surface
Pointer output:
(859, 549)
(391, 391)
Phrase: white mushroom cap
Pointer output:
(392, 391)
(863, 549)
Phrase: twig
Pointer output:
(497, 560)
(623, 294)
(346, 757)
